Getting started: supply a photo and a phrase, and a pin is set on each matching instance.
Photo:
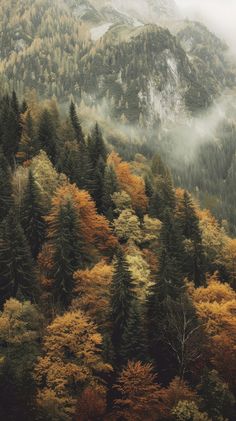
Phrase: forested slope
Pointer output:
(117, 290)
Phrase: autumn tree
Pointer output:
(92, 292)
(20, 333)
(91, 405)
(132, 184)
(215, 305)
(177, 391)
(71, 362)
(139, 393)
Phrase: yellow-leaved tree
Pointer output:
(70, 363)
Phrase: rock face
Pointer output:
(100, 50)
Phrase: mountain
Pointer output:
(101, 50)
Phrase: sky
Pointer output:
(219, 15)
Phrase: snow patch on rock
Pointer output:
(99, 31)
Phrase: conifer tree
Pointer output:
(133, 347)
(189, 225)
(122, 295)
(11, 130)
(5, 186)
(46, 136)
(110, 186)
(97, 146)
(76, 123)
(68, 252)
(32, 216)
(85, 174)
(163, 198)
(17, 274)
(28, 143)
(168, 285)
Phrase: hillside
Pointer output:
(146, 73)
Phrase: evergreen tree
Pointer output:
(110, 186)
(163, 198)
(122, 295)
(133, 345)
(218, 400)
(168, 285)
(68, 253)
(189, 225)
(46, 136)
(149, 190)
(17, 274)
(5, 186)
(10, 127)
(76, 123)
(97, 146)
(32, 213)
(28, 146)
(99, 183)
(85, 174)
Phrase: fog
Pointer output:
(219, 15)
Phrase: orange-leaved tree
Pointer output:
(70, 363)
(132, 184)
(216, 307)
(139, 393)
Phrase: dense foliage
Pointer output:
(117, 290)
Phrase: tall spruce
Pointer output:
(110, 186)
(17, 273)
(5, 186)
(168, 284)
(134, 345)
(189, 225)
(10, 127)
(98, 156)
(69, 253)
(76, 123)
(163, 198)
(46, 136)
(122, 295)
(32, 213)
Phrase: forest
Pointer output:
(117, 290)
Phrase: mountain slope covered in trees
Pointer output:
(117, 290)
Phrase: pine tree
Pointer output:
(5, 186)
(46, 136)
(99, 183)
(133, 345)
(97, 146)
(76, 123)
(85, 173)
(10, 127)
(122, 295)
(68, 253)
(32, 213)
(110, 186)
(168, 285)
(28, 143)
(189, 225)
(163, 198)
(17, 274)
